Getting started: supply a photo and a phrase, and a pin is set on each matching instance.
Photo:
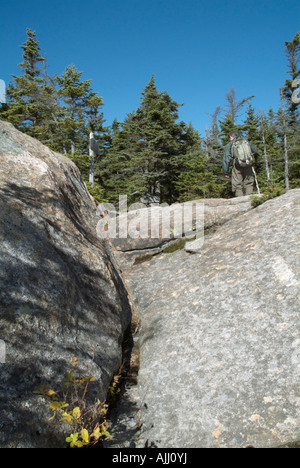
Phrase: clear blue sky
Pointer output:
(196, 49)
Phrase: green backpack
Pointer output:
(241, 151)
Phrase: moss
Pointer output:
(143, 259)
(178, 245)
(171, 248)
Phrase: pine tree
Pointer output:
(197, 177)
(292, 51)
(144, 156)
(226, 126)
(114, 171)
(251, 127)
(31, 105)
(253, 134)
(162, 140)
(234, 106)
(290, 115)
(75, 95)
(213, 147)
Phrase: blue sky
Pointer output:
(196, 49)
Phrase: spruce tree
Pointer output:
(292, 117)
(31, 106)
(197, 177)
(145, 151)
(75, 95)
(272, 167)
(292, 51)
(233, 105)
(251, 127)
(227, 125)
(263, 131)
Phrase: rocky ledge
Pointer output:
(219, 343)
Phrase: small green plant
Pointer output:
(267, 194)
(88, 421)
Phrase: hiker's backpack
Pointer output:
(241, 151)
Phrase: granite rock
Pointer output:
(142, 231)
(220, 341)
(61, 291)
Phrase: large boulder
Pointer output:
(220, 341)
(143, 231)
(61, 293)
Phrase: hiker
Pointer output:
(240, 154)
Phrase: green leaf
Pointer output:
(76, 413)
(72, 439)
(58, 405)
(85, 436)
(105, 432)
(97, 433)
(55, 405)
(68, 418)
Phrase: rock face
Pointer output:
(220, 341)
(147, 231)
(61, 293)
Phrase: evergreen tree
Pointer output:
(91, 120)
(144, 156)
(31, 106)
(197, 177)
(292, 51)
(226, 126)
(251, 127)
(114, 171)
(75, 95)
(213, 147)
(292, 114)
(252, 133)
(271, 151)
(234, 106)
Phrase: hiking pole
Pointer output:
(256, 183)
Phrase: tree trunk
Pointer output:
(92, 160)
(265, 148)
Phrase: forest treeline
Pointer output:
(152, 156)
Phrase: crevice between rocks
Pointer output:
(123, 404)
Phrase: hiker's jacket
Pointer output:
(227, 159)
